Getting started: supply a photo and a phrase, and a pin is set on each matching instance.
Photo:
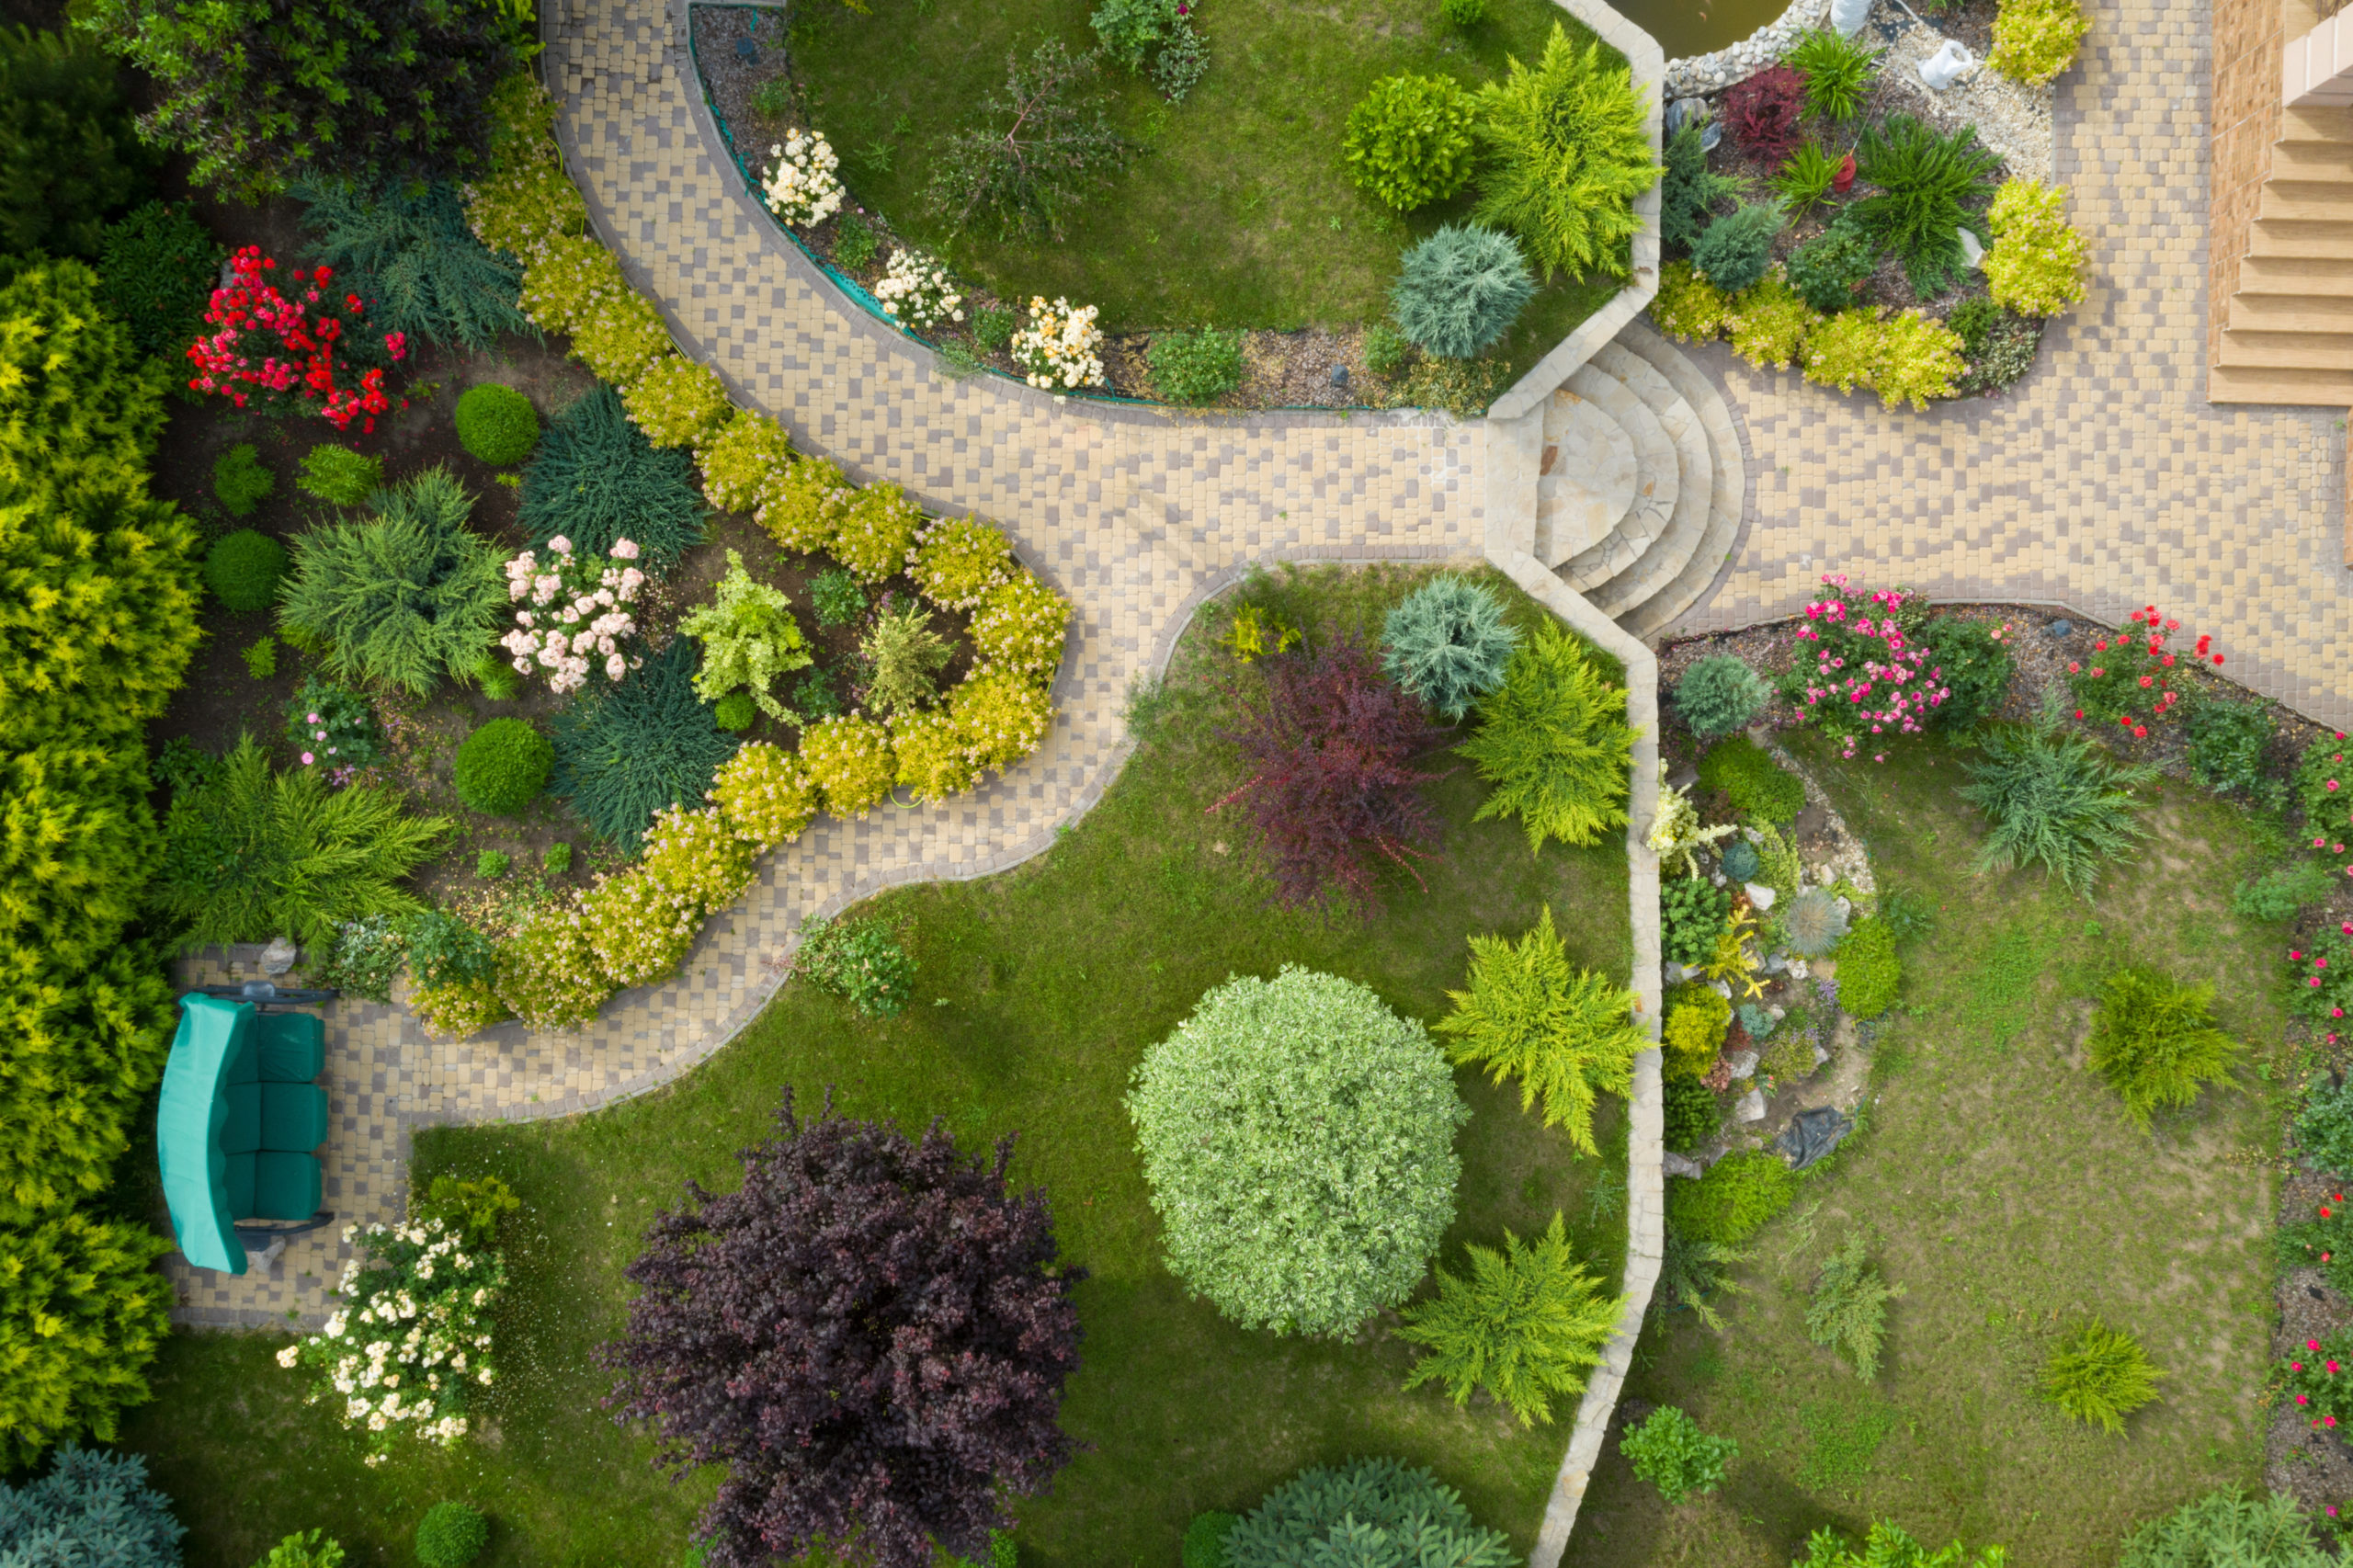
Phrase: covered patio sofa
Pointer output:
(240, 1123)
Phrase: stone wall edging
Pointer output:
(1720, 68)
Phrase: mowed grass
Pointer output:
(2011, 1196)
(1239, 212)
(1038, 992)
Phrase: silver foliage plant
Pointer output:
(1448, 645)
(1297, 1138)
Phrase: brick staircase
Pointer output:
(1639, 494)
(2286, 333)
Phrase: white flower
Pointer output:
(624, 550)
(289, 1356)
(561, 545)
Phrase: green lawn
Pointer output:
(1238, 213)
(1039, 991)
(2010, 1195)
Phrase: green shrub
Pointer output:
(2280, 892)
(1889, 1547)
(1733, 1200)
(75, 838)
(86, 1042)
(252, 855)
(92, 1507)
(557, 860)
(77, 403)
(855, 241)
(403, 597)
(2323, 788)
(735, 712)
(1460, 290)
(1930, 188)
(1719, 694)
(958, 560)
(749, 639)
(1523, 1327)
(2036, 40)
(2053, 798)
(450, 1535)
(331, 727)
(1667, 1449)
(1768, 324)
(1868, 972)
(1297, 1139)
(504, 767)
(862, 962)
(1905, 358)
(1692, 914)
(2223, 1529)
(1805, 177)
(1837, 71)
(903, 657)
(1699, 1019)
(492, 864)
(1692, 1113)
(1740, 861)
(993, 326)
(1760, 787)
(367, 89)
(2036, 264)
(1827, 268)
(497, 678)
(472, 1211)
(1688, 308)
(596, 479)
(407, 248)
(1205, 1537)
(241, 481)
(72, 154)
(1463, 15)
(159, 267)
(1447, 643)
(1568, 1036)
(1387, 351)
(2155, 1042)
(624, 752)
(1552, 740)
(83, 1309)
(244, 570)
(443, 950)
(2099, 1376)
(1692, 1274)
(1848, 1312)
(1195, 366)
(1688, 190)
(2325, 1127)
(339, 475)
(1733, 252)
(1976, 668)
(2227, 740)
(1325, 1515)
(1568, 153)
(497, 423)
(836, 597)
(1409, 141)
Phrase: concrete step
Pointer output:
(2298, 125)
(2327, 163)
(2310, 237)
(2305, 200)
(2252, 312)
(2319, 276)
(1587, 478)
(2287, 350)
(2302, 389)
(1627, 579)
(1646, 405)
(1660, 602)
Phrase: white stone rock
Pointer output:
(1743, 1063)
(1820, 1055)
(1970, 251)
(1751, 1106)
(1674, 973)
(1682, 1166)
(1761, 897)
(1798, 969)
(1722, 988)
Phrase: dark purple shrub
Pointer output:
(1328, 746)
(872, 1334)
(1761, 114)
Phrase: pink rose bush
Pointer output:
(1862, 677)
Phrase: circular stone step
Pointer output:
(1586, 480)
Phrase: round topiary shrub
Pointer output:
(503, 767)
(734, 712)
(243, 570)
(1297, 1138)
(1324, 1515)
(497, 423)
(1459, 291)
(450, 1536)
(1718, 695)
(1409, 140)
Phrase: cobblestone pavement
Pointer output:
(2105, 481)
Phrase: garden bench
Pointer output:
(240, 1122)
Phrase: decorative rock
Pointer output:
(1722, 988)
(1718, 878)
(1339, 375)
(1820, 1055)
(747, 49)
(1777, 1012)
(1751, 1106)
(1972, 252)
(1674, 973)
(279, 957)
(1742, 1064)
(1761, 897)
(2060, 629)
(1774, 963)
(1682, 1166)
(1798, 969)
(1685, 111)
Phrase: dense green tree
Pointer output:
(70, 156)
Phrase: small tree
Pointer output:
(1568, 1036)
(1329, 744)
(1848, 1312)
(2155, 1043)
(1524, 1325)
(1735, 251)
(1035, 151)
(1553, 742)
(871, 1334)
(1668, 1451)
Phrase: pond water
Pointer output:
(1697, 26)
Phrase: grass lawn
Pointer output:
(1039, 991)
(2011, 1196)
(1239, 212)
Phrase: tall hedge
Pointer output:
(79, 1050)
(78, 402)
(81, 1311)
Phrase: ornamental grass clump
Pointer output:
(1329, 745)
(1447, 643)
(2054, 798)
(2099, 1376)
(1929, 188)
(1460, 290)
(1522, 1328)
(1552, 740)
(1298, 1140)
(1567, 156)
(2155, 1042)
(1409, 141)
(776, 1321)
(2269, 1530)
(597, 480)
(1343, 1513)
(1837, 71)
(1568, 1036)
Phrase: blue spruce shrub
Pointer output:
(1460, 290)
(1447, 643)
(1718, 695)
(92, 1509)
(1741, 861)
(1733, 252)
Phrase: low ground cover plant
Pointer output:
(2269, 1530)
(1692, 913)
(861, 960)
(1667, 1449)
(1887, 1546)
(1195, 366)
(1760, 787)
(1869, 970)
(451, 1535)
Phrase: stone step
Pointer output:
(1652, 605)
(2329, 162)
(1587, 478)
(2308, 200)
(2259, 311)
(2310, 350)
(2300, 125)
(1612, 580)
(2328, 277)
(2304, 388)
(1658, 471)
(2307, 237)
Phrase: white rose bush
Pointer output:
(409, 1348)
(573, 618)
(802, 187)
(915, 292)
(1061, 347)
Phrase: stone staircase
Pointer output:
(1640, 488)
(2288, 335)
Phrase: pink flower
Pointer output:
(314, 718)
(308, 759)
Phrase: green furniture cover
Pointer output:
(238, 1123)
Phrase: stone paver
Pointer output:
(2105, 481)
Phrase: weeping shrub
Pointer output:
(625, 751)
(1459, 291)
(1446, 643)
(1553, 741)
(596, 479)
(1568, 152)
